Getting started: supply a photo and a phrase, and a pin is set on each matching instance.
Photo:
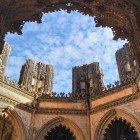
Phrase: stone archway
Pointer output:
(113, 115)
(122, 16)
(120, 129)
(12, 127)
(73, 128)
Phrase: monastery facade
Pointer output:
(30, 110)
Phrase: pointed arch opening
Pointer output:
(120, 129)
(60, 128)
(60, 132)
(115, 120)
(12, 125)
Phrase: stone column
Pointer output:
(135, 37)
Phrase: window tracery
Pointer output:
(120, 129)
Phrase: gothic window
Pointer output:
(91, 83)
(120, 129)
(135, 63)
(127, 67)
(60, 133)
(82, 85)
(33, 81)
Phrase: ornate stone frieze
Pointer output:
(117, 102)
(111, 90)
(122, 15)
(12, 86)
(8, 101)
(61, 111)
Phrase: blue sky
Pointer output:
(64, 40)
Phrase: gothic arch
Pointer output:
(16, 124)
(60, 121)
(121, 16)
(111, 115)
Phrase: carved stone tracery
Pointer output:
(11, 126)
(121, 16)
(111, 115)
(60, 121)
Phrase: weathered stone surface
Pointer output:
(3, 58)
(87, 78)
(37, 78)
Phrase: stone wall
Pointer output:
(131, 110)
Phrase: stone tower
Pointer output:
(3, 58)
(37, 77)
(127, 65)
(87, 74)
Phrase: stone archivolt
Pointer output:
(60, 121)
(111, 115)
(14, 128)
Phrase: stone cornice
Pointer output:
(49, 111)
(60, 111)
(112, 91)
(59, 100)
(105, 106)
(108, 105)
(114, 103)
(16, 90)
(8, 101)
(24, 107)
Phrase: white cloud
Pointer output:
(64, 40)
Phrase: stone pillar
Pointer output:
(3, 58)
(5, 127)
(135, 37)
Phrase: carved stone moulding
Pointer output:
(15, 127)
(60, 121)
(61, 111)
(115, 14)
(117, 102)
(115, 114)
(21, 12)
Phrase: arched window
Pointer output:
(60, 133)
(120, 129)
(127, 67)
